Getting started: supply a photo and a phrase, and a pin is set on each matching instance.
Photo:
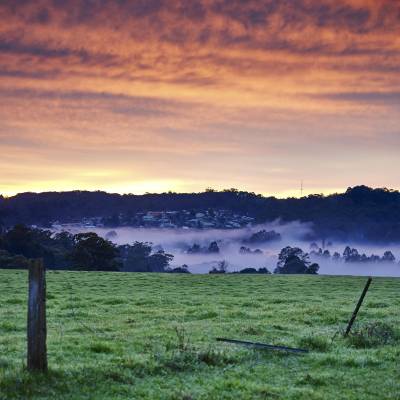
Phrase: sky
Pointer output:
(157, 95)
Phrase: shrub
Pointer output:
(372, 334)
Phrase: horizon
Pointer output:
(266, 195)
(279, 195)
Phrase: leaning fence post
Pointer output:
(354, 315)
(37, 351)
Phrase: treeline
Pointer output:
(361, 213)
(291, 260)
(83, 251)
(352, 255)
(90, 252)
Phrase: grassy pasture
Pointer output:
(151, 336)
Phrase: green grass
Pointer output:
(152, 336)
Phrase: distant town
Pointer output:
(207, 219)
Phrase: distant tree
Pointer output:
(326, 254)
(351, 255)
(388, 257)
(263, 236)
(222, 268)
(313, 269)
(93, 253)
(184, 269)
(194, 249)
(135, 256)
(159, 261)
(288, 252)
(263, 271)
(213, 247)
(231, 190)
(247, 250)
(139, 258)
(244, 250)
(251, 270)
(248, 271)
(292, 260)
(293, 265)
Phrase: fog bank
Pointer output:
(178, 241)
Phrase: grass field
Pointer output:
(152, 336)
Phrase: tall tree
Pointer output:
(93, 253)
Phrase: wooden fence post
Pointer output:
(355, 312)
(37, 351)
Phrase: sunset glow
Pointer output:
(151, 95)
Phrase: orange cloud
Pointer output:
(218, 91)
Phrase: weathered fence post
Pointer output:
(37, 351)
(354, 315)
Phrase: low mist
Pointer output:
(178, 241)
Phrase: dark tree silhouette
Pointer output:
(93, 253)
(292, 260)
(213, 247)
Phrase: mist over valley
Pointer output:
(239, 252)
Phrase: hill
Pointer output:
(361, 213)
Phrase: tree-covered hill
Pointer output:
(360, 213)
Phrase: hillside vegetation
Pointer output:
(361, 213)
(152, 336)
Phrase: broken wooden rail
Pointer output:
(262, 345)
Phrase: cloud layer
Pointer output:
(189, 94)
